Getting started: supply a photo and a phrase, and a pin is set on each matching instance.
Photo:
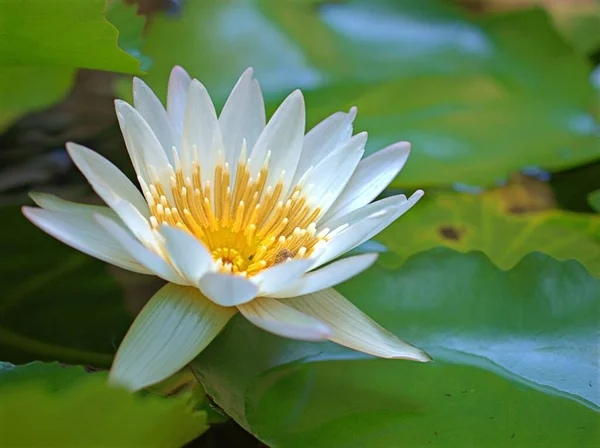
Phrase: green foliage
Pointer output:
(80, 36)
(504, 298)
(515, 362)
(50, 405)
(487, 223)
(44, 42)
(31, 88)
(475, 98)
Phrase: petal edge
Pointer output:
(354, 329)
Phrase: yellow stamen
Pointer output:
(246, 225)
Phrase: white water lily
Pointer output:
(237, 215)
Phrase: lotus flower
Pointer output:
(237, 215)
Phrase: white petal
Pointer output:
(172, 329)
(354, 329)
(51, 202)
(391, 202)
(179, 83)
(78, 229)
(123, 213)
(324, 138)
(347, 240)
(101, 172)
(379, 215)
(141, 253)
(371, 177)
(143, 146)
(274, 278)
(242, 117)
(282, 139)
(328, 276)
(152, 110)
(277, 318)
(129, 215)
(189, 255)
(331, 175)
(227, 289)
(201, 134)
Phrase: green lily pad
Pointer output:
(506, 234)
(44, 43)
(38, 33)
(515, 362)
(476, 99)
(50, 405)
(56, 303)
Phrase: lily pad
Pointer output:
(37, 32)
(515, 362)
(487, 222)
(44, 43)
(477, 100)
(50, 405)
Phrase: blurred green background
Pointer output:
(495, 273)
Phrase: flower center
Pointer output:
(247, 226)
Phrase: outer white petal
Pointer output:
(51, 202)
(143, 146)
(172, 329)
(354, 329)
(101, 172)
(275, 317)
(372, 175)
(242, 117)
(282, 139)
(179, 83)
(330, 176)
(365, 223)
(227, 289)
(274, 278)
(391, 202)
(201, 135)
(328, 276)
(78, 229)
(345, 240)
(152, 110)
(324, 138)
(123, 213)
(88, 161)
(141, 253)
(129, 215)
(189, 255)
